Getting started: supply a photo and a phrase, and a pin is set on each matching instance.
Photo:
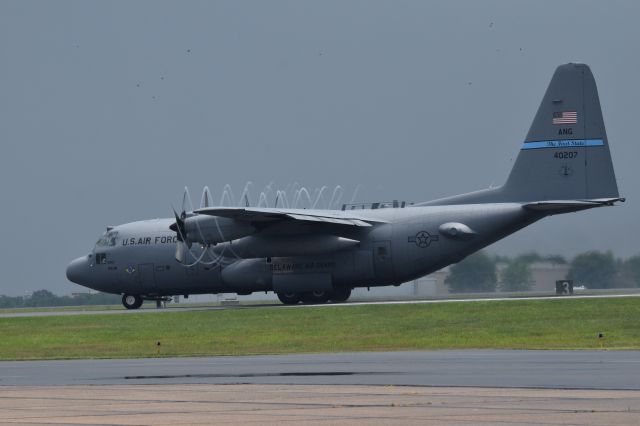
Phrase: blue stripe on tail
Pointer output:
(565, 143)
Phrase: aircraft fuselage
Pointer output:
(139, 259)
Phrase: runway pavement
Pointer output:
(185, 307)
(473, 368)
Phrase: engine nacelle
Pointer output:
(283, 246)
(248, 275)
(206, 229)
(286, 275)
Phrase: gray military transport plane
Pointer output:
(315, 256)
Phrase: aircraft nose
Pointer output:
(77, 270)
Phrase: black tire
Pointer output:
(289, 298)
(315, 297)
(340, 295)
(131, 301)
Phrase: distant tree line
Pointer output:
(592, 269)
(43, 298)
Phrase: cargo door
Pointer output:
(147, 276)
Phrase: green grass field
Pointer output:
(516, 324)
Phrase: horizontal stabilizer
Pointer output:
(566, 206)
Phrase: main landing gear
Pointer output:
(289, 298)
(134, 301)
(315, 297)
(131, 301)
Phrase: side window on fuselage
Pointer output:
(101, 258)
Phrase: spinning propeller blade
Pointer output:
(205, 200)
(183, 244)
(181, 252)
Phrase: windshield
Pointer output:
(108, 239)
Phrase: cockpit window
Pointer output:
(101, 258)
(108, 239)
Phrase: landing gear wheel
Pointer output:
(340, 295)
(315, 297)
(289, 298)
(131, 301)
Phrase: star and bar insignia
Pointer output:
(423, 239)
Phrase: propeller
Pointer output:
(205, 200)
(183, 244)
(186, 201)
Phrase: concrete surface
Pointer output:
(310, 404)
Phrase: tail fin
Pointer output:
(566, 153)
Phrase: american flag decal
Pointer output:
(565, 117)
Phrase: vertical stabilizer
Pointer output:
(565, 155)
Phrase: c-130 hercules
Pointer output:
(315, 256)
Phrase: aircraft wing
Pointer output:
(251, 214)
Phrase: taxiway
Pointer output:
(433, 387)
(618, 370)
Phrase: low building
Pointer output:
(544, 274)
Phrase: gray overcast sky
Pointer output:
(107, 109)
